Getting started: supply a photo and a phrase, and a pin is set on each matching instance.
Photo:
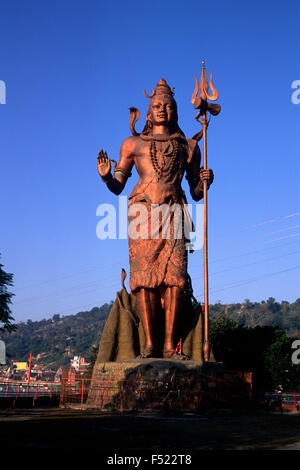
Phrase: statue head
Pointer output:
(162, 109)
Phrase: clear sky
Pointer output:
(73, 68)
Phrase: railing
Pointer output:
(74, 392)
(126, 395)
(292, 398)
(15, 389)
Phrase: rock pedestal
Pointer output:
(165, 384)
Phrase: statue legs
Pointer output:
(149, 307)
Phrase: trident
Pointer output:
(200, 102)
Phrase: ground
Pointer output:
(128, 434)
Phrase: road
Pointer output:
(146, 434)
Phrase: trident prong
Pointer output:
(204, 94)
(215, 95)
(195, 93)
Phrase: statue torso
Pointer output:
(161, 159)
(160, 162)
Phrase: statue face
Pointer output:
(163, 110)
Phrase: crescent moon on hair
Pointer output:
(149, 96)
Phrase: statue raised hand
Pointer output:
(104, 165)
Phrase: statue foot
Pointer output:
(171, 354)
(147, 354)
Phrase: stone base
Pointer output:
(165, 384)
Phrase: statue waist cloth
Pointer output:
(157, 193)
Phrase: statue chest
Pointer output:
(164, 159)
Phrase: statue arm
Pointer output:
(122, 171)
(195, 176)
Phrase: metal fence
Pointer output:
(129, 394)
(74, 392)
(285, 398)
(16, 389)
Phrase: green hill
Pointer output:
(53, 342)
(265, 313)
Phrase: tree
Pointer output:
(92, 358)
(278, 360)
(272, 305)
(264, 350)
(5, 300)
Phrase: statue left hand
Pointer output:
(207, 175)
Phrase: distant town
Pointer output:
(33, 372)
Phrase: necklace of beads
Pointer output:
(165, 165)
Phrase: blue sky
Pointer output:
(73, 68)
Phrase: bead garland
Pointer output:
(166, 168)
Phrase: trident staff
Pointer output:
(201, 103)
